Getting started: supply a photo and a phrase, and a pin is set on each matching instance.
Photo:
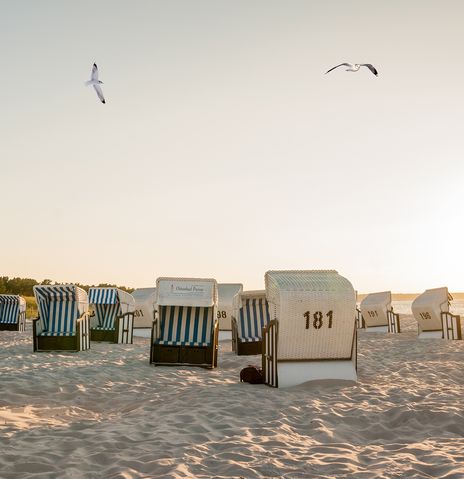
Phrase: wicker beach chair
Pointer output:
(226, 293)
(251, 315)
(113, 313)
(427, 309)
(312, 332)
(12, 312)
(378, 315)
(186, 329)
(63, 322)
(145, 307)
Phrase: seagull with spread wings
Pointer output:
(354, 67)
(96, 83)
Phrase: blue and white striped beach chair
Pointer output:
(12, 312)
(63, 322)
(112, 319)
(251, 315)
(186, 329)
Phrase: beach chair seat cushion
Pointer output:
(104, 328)
(250, 339)
(185, 326)
(56, 333)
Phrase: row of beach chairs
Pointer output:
(303, 324)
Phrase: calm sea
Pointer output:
(404, 307)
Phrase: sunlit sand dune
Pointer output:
(106, 413)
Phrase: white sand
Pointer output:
(107, 413)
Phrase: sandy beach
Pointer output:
(107, 413)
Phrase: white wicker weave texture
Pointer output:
(374, 308)
(428, 306)
(316, 314)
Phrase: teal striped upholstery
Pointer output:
(9, 309)
(253, 316)
(105, 315)
(185, 325)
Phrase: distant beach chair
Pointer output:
(12, 313)
(250, 316)
(427, 309)
(112, 318)
(185, 331)
(378, 315)
(312, 333)
(226, 293)
(63, 322)
(145, 307)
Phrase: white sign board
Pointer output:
(185, 293)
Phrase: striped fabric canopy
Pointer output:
(254, 315)
(103, 296)
(10, 307)
(59, 308)
(9, 298)
(185, 325)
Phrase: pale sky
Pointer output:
(223, 150)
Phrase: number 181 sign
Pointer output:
(318, 319)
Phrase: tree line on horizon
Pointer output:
(24, 286)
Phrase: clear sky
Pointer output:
(223, 150)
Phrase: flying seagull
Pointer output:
(96, 82)
(354, 67)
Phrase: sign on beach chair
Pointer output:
(112, 318)
(63, 322)
(226, 293)
(451, 325)
(185, 331)
(312, 332)
(251, 315)
(427, 309)
(12, 313)
(374, 309)
(145, 307)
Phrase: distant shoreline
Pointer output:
(411, 296)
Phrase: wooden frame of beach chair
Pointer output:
(113, 315)
(185, 331)
(12, 313)
(359, 319)
(312, 334)
(145, 307)
(451, 326)
(251, 315)
(63, 323)
(393, 321)
(374, 309)
(226, 294)
(427, 309)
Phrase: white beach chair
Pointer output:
(226, 293)
(427, 309)
(185, 331)
(63, 322)
(112, 318)
(145, 307)
(312, 332)
(377, 313)
(12, 313)
(250, 316)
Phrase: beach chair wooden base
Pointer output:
(122, 334)
(248, 348)
(393, 322)
(20, 325)
(79, 342)
(205, 356)
(438, 334)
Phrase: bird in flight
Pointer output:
(354, 67)
(96, 82)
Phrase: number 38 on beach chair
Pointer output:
(378, 315)
(312, 332)
(112, 318)
(185, 331)
(251, 315)
(63, 322)
(12, 312)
